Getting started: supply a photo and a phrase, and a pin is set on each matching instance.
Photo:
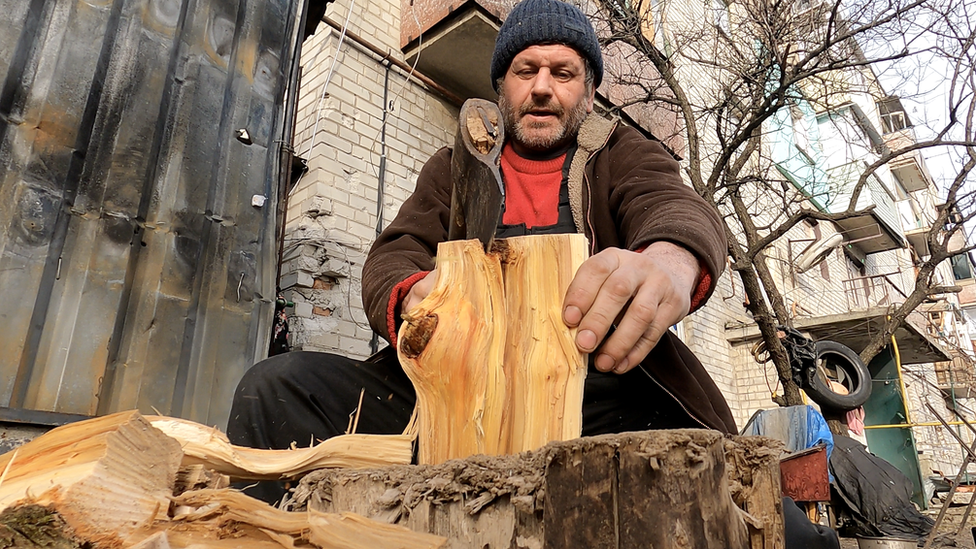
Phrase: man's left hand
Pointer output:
(642, 294)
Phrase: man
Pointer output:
(658, 250)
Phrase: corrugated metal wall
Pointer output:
(134, 272)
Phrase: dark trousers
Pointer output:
(803, 534)
(301, 397)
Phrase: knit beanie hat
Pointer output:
(534, 22)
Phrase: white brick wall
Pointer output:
(332, 212)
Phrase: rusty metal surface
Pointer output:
(134, 272)
(804, 475)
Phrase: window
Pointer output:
(801, 131)
(654, 23)
(893, 122)
(800, 6)
(962, 269)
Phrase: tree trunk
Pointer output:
(662, 489)
(495, 368)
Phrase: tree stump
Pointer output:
(659, 489)
(495, 368)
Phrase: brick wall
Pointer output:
(332, 211)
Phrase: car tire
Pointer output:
(840, 363)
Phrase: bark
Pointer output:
(662, 489)
(35, 527)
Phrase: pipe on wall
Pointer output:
(411, 72)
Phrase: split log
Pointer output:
(110, 482)
(211, 448)
(107, 476)
(544, 370)
(495, 368)
(221, 508)
(452, 350)
(661, 489)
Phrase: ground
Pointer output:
(946, 534)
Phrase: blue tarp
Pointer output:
(800, 427)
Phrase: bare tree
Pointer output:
(755, 64)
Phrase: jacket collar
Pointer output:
(594, 132)
(593, 136)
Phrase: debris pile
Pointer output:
(149, 482)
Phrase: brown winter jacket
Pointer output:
(625, 192)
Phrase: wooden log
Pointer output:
(109, 482)
(660, 489)
(107, 476)
(495, 368)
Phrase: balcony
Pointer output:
(855, 329)
(458, 37)
(919, 239)
(866, 292)
(909, 168)
(956, 378)
(451, 42)
(918, 236)
(878, 229)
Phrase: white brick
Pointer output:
(303, 310)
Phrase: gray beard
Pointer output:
(515, 129)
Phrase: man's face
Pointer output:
(544, 97)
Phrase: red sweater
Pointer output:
(531, 189)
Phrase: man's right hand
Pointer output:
(418, 291)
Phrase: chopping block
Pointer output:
(662, 489)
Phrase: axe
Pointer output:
(477, 192)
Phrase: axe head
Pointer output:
(478, 193)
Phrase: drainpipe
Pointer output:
(374, 341)
(286, 153)
(901, 379)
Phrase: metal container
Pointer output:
(804, 475)
(886, 543)
(134, 271)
